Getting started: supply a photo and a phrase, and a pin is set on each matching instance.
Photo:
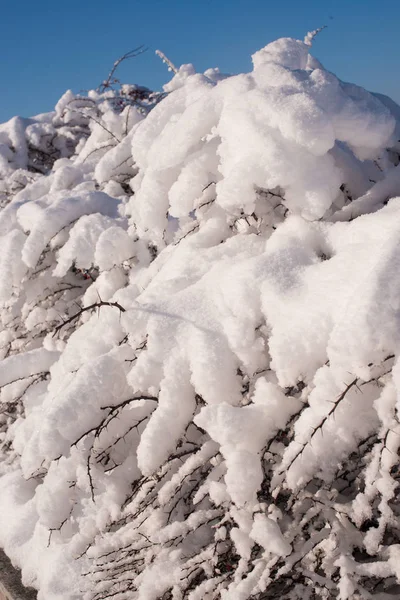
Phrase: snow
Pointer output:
(43, 225)
(266, 532)
(199, 307)
(22, 366)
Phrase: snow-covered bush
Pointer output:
(200, 310)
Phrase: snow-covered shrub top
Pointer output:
(200, 332)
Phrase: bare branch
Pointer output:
(110, 79)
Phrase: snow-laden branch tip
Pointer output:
(311, 35)
(167, 61)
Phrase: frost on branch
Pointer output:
(200, 316)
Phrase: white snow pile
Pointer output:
(200, 339)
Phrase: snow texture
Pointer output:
(199, 341)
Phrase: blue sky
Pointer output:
(47, 46)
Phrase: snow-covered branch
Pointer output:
(199, 306)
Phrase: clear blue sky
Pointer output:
(47, 46)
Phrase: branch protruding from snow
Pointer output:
(165, 59)
(309, 38)
(131, 54)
